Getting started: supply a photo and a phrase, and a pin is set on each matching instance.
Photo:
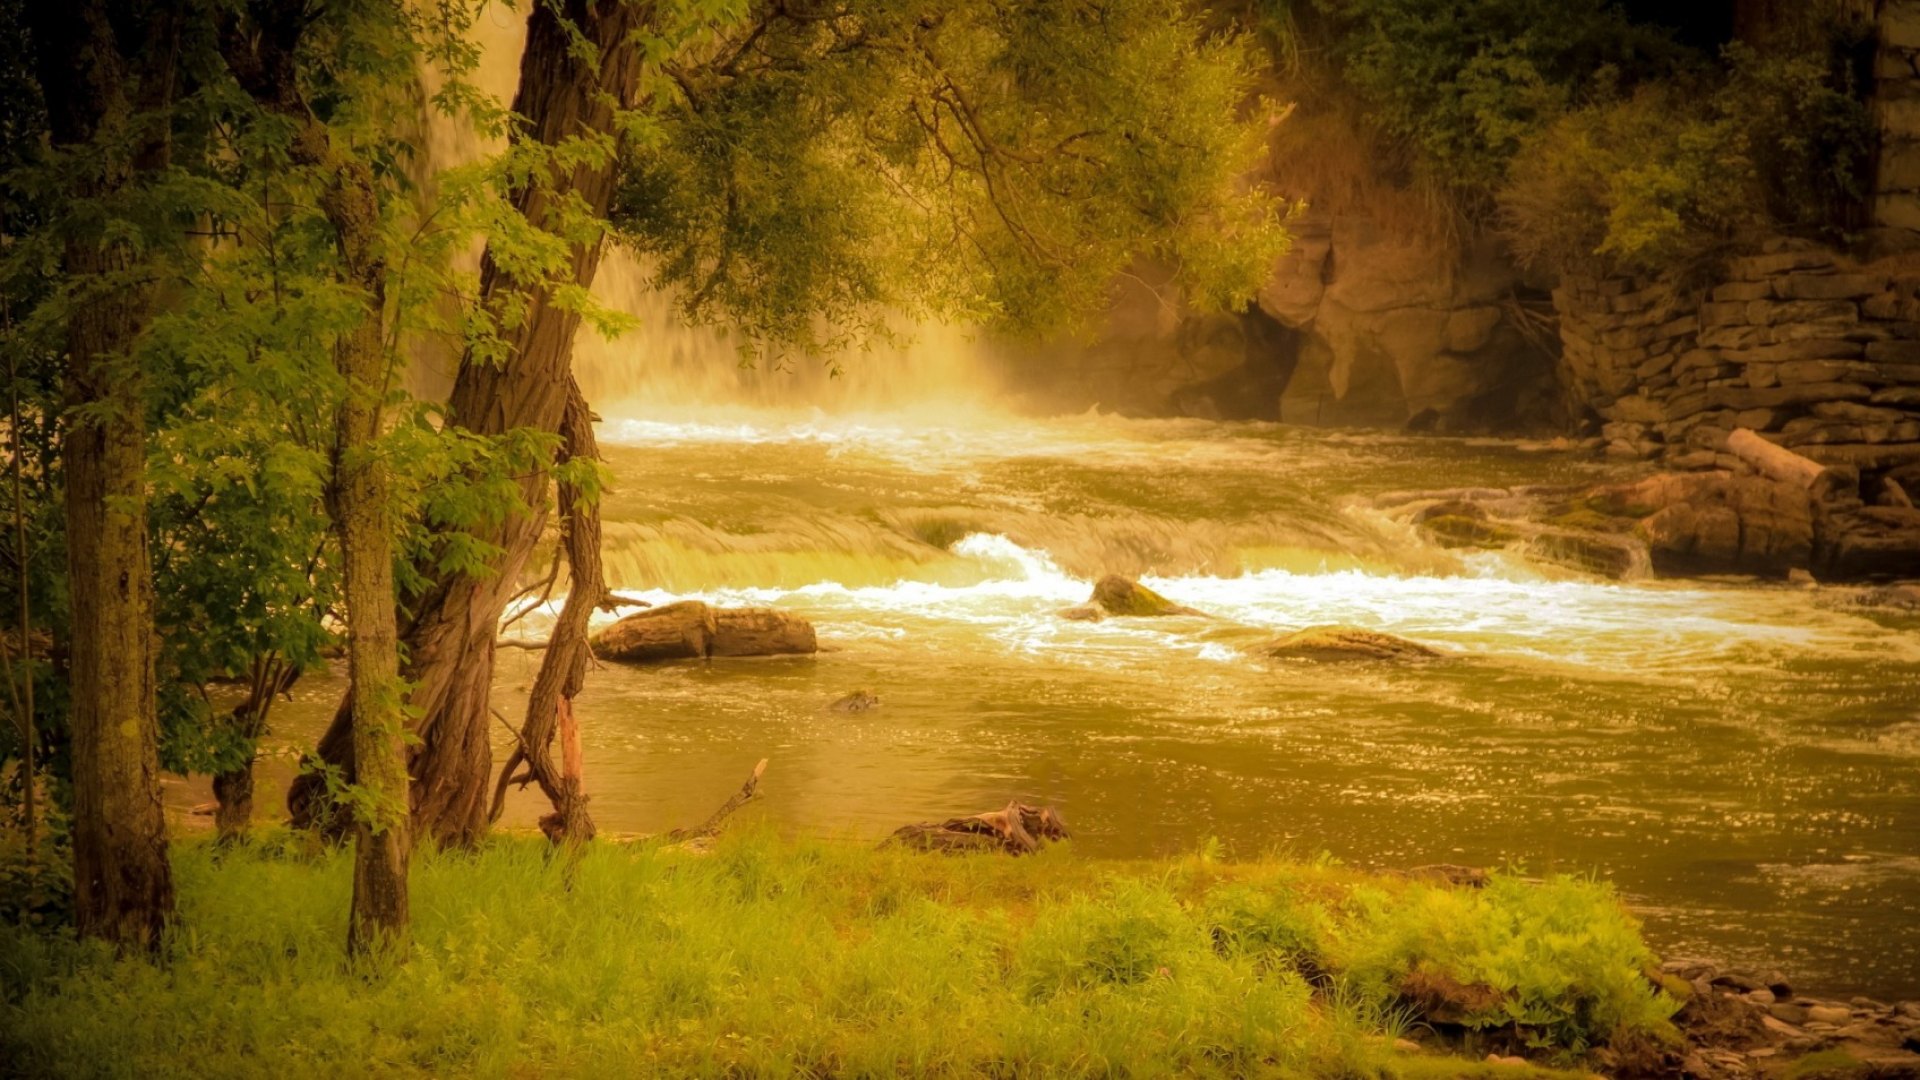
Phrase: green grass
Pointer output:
(771, 957)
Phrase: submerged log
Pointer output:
(1018, 829)
(858, 701)
(1333, 643)
(680, 631)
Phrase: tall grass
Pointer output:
(770, 957)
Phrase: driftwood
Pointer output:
(1018, 829)
(679, 631)
(1776, 462)
(613, 601)
(693, 630)
(761, 632)
(711, 827)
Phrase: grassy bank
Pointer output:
(779, 958)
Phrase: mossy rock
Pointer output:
(1346, 643)
(1607, 555)
(1588, 519)
(1459, 531)
(1119, 597)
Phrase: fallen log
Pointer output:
(1776, 462)
(678, 631)
(1018, 829)
(693, 630)
(761, 632)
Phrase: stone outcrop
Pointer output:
(1359, 325)
(693, 630)
(1399, 332)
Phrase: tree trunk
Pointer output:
(123, 886)
(233, 802)
(261, 58)
(563, 94)
(362, 507)
(564, 667)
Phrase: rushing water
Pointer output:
(1739, 758)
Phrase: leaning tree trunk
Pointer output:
(123, 886)
(564, 93)
(563, 669)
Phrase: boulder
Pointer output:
(1118, 597)
(694, 630)
(1339, 643)
(1717, 522)
(1871, 542)
(1608, 555)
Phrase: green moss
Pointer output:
(1455, 530)
(770, 957)
(1593, 519)
(1828, 1065)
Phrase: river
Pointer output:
(1738, 757)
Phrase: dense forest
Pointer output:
(301, 439)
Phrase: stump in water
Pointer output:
(858, 701)
(1344, 643)
(679, 631)
(1017, 830)
(1115, 596)
(692, 630)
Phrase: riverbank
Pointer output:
(774, 957)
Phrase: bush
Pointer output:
(1681, 169)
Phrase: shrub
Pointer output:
(1680, 169)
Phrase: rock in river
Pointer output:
(1345, 643)
(691, 629)
(1115, 596)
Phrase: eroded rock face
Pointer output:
(1345, 643)
(1359, 325)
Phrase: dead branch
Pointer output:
(711, 827)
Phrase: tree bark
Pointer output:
(564, 93)
(564, 667)
(100, 93)
(261, 57)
